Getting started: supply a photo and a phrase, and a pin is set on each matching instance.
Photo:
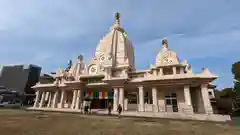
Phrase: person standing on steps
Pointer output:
(119, 109)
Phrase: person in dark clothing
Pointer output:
(86, 109)
(119, 109)
(109, 108)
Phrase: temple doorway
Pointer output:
(132, 101)
(100, 103)
(99, 100)
(171, 103)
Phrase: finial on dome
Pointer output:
(165, 43)
(117, 17)
(80, 57)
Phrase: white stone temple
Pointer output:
(168, 88)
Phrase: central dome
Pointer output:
(165, 56)
(117, 46)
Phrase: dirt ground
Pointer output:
(19, 122)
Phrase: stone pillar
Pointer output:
(115, 99)
(141, 99)
(161, 71)
(62, 99)
(174, 70)
(46, 96)
(106, 74)
(49, 99)
(187, 95)
(154, 72)
(121, 97)
(37, 98)
(78, 99)
(42, 99)
(55, 99)
(188, 102)
(154, 97)
(74, 99)
(125, 104)
(181, 70)
(206, 100)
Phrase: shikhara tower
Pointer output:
(114, 54)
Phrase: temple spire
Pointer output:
(117, 17)
(164, 43)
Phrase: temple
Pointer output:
(167, 87)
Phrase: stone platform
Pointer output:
(181, 116)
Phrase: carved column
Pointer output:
(154, 97)
(42, 99)
(188, 102)
(115, 99)
(55, 99)
(78, 98)
(187, 95)
(181, 70)
(49, 99)
(74, 99)
(174, 70)
(121, 97)
(154, 72)
(62, 99)
(161, 71)
(206, 100)
(141, 99)
(37, 98)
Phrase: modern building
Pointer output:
(10, 97)
(20, 78)
(167, 87)
(45, 79)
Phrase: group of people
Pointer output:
(87, 108)
(119, 109)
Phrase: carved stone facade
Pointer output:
(111, 77)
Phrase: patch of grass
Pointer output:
(17, 122)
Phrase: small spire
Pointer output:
(165, 43)
(117, 17)
(80, 57)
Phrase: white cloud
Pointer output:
(209, 45)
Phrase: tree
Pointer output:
(236, 74)
(236, 70)
(237, 88)
(227, 93)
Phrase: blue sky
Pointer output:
(49, 33)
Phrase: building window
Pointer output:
(168, 101)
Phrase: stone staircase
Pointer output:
(186, 109)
